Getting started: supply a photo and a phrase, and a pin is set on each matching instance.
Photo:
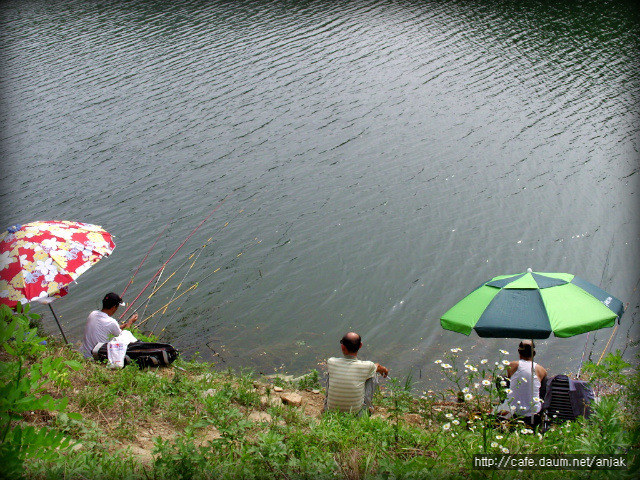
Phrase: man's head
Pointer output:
(111, 300)
(527, 349)
(351, 343)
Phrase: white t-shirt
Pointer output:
(99, 329)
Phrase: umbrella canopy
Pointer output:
(39, 260)
(533, 305)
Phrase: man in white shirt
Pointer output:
(101, 325)
(351, 381)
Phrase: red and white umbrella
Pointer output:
(39, 260)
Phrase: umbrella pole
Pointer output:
(59, 326)
(533, 372)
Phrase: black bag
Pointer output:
(145, 354)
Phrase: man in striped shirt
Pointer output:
(351, 381)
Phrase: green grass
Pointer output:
(202, 426)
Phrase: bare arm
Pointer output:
(384, 371)
(129, 322)
(511, 369)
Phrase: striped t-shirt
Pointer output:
(347, 376)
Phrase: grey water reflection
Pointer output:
(379, 159)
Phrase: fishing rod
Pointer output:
(180, 285)
(189, 257)
(604, 269)
(145, 258)
(173, 254)
(615, 330)
(156, 288)
(195, 285)
(146, 304)
(188, 271)
(246, 249)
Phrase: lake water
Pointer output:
(371, 163)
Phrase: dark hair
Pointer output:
(527, 350)
(110, 300)
(351, 343)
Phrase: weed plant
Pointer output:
(198, 422)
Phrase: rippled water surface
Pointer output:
(370, 162)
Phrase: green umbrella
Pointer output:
(533, 305)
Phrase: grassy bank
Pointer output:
(62, 417)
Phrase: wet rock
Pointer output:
(269, 401)
(259, 417)
(292, 398)
(412, 418)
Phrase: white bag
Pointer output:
(116, 351)
(117, 348)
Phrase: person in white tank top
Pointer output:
(520, 398)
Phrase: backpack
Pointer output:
(145, 354)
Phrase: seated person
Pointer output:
(522, 401)
(101, 325)
(351, 382)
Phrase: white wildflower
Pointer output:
(494, 444)
(468, 396)
(486, 383)
(499, 437)
(465, 390)
(445, 365)
(503, 383)
(456, 422)
(506, 362)
(446, 426)
(504, 352)
(504, 450)
(484, 361)
(448, 415)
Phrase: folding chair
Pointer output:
(565, 399)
